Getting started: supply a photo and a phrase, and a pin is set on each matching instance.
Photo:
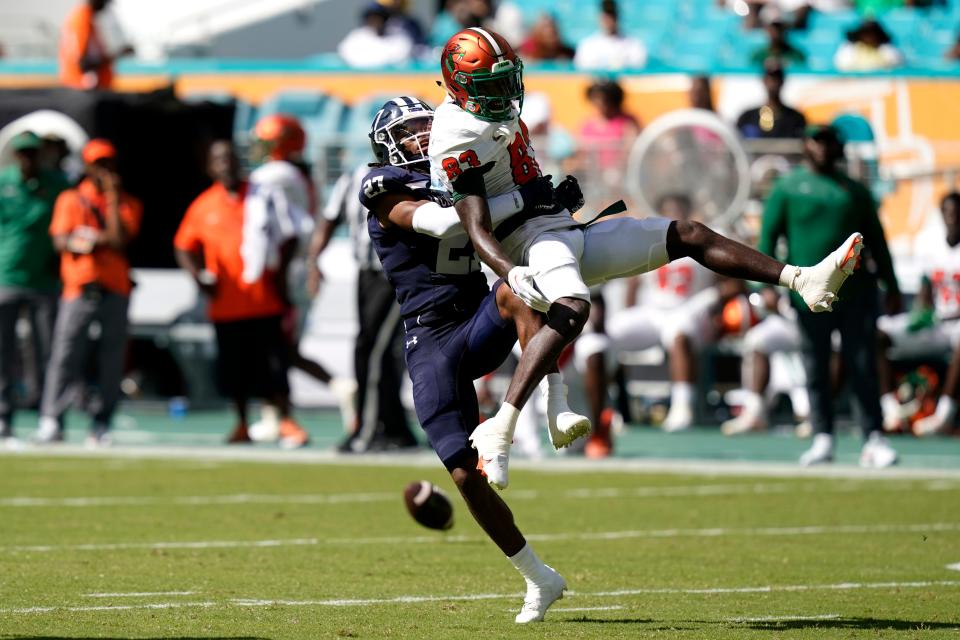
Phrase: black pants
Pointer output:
(856, 320)
(377, 363)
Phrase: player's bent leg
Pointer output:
(544, 585)
(538, 361)
(817, 285)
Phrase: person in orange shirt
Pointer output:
(253, 355)
(85, 62)
(91, 228)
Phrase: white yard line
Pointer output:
(679, 491)
(417, 599)
(825, 616)
(710, 532)
(954, 567)
(140, 594)
(429, 460)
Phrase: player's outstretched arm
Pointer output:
(475, 218)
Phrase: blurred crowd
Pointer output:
(251, 243)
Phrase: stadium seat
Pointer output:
(301, 104)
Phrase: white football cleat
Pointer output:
(345, 390)
(679, 418)
(492, 442)
(877, 452)
(818, 285)
(820, 452)
(48, 431)
(563, 425)
(267, 428)
(540, 596)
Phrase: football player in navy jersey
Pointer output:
(457, 328)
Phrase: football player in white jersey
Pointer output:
(479, 147)
(669, 307)
(938, 331)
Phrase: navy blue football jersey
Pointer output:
(428, 274)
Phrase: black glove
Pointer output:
(538, 195)
(568, 195)
(470, 182)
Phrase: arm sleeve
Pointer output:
(876, 240)
(443, 222)
(774, 220)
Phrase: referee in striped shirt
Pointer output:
(378, 363)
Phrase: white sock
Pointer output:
(552, 383)
(789, 275)
(681, 394)
(508, 415)
(890, 404)
(529, 565)
(752, 404)
(946, 408)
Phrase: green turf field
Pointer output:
(123, 547)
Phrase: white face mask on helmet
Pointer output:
(400, 132)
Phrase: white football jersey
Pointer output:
(945, 277)
(675, 283)
(459, 141)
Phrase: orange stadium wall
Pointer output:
(916, 120)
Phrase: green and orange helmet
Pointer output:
(483, 74)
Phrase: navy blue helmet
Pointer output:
(400, 133)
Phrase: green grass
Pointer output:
(657, 538)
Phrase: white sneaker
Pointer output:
(492, 442)
(345, 390)
(877, 453)
(744, 423)
(939, 421)
(892, 420)
(563, 425)
(540, 596)
(99, 438)
(679, 418)
(818, 285)
(930, 426)
(48, 431)
(820, 451)
(267, 428)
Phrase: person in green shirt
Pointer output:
(813, 208)
(28, 263)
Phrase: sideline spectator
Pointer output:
(701, 93)
(252, 351)
(608, 49)
(374, 43)
(28, 263)
(953, 53)
(278, 215)
(815, 208)
(381, 420)
(505, 19)
(772, 119)
(934, 325)
(85, 62)
(778, 46)
(401, 20)
(544, 42)
(606, 137)
(91, 228)
(776, 333)
(869, 48)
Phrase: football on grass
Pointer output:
(428, 505)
